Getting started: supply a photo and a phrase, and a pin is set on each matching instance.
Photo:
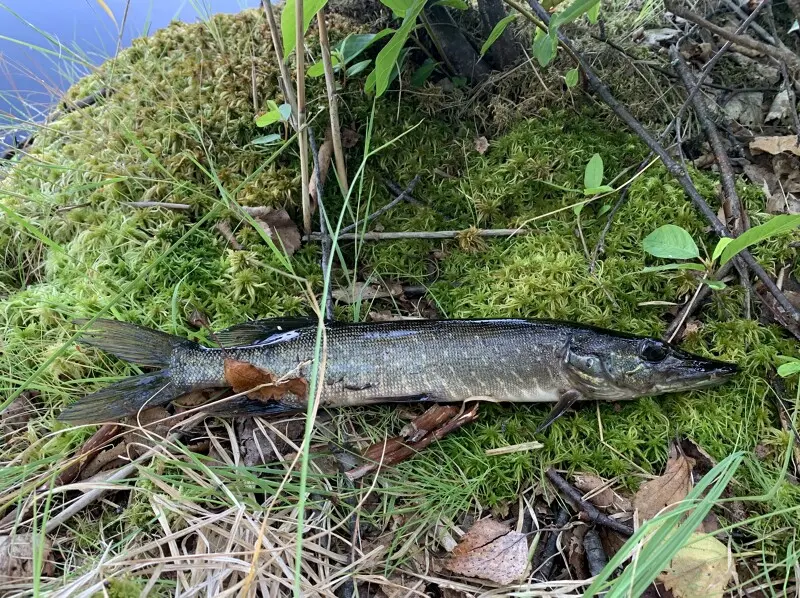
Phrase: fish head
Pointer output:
(615, 367)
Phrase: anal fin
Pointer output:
(565, 401)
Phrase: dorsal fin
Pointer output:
(256, 331)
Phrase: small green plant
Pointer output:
(346, 51)
(673, 242)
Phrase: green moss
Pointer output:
(183, 108)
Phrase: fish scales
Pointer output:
(450, 361)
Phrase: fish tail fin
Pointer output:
(125, 397)
(133, 343)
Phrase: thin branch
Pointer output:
(596, 556)
(323, 227)
(333, 108)
(674, 168)
(380, 211)
(789, 86)
(157, 204)
(277, 45)
(547, 559)
(778, 54)
(732, 204)
(758, 29)
(591, 511)
(302, 135)
(224, 228)
(700, 294)
(439, 234)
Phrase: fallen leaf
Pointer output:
(655, 37)
(667, 489)
(244, 377)
(17, 557)
(16, 415)
(776, 144)
(481, 145)
(384, 315)
(350, 138)
(701, 569)
(490, 550)
(361, 291)
(279, 227)
(324, 159)
(599, 492)
(745, 108)
(787, 168)
(780, 107)
(703, 462)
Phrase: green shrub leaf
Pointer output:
(423, 72)
(572, 12)
(571, 77)
(721, 244)
(457, 4)
(544, 47)
(399, 7)
(497, 31)
(388, 57)
(593, 175)
(358, 67)
(717, 285)
(671, 241)
(318, 68)
(310, 8)
(778, 225)
(355, 43)
(789, 369)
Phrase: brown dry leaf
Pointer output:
(667, 489)
(361, 291)
(16, 415)
(600, 494)
(324, 158)
(481, 145)
(776, 144)
(490, 550)
(384, 315)
(701, 569)
(279, 227)
(244, 377)
(16, 557)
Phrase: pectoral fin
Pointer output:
(565, 401)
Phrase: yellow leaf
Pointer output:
(105, 7)
(701, 569)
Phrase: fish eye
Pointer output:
(654, 351)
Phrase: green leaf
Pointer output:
(457, 4)
(593, 175)
(285, 111)
(369, 86)
(497, 31)
(603, 209)
(423, 72)
(671, 241)
(721, 244)
(572, 12)
(578, 208)
(717, 285)
(571, 78)
(355, 44)
(358, 67)
(681, 266)
(387, 58)
(789, 369)
(778, 225)
(288, 27)
(266, 139)
(544, 47)
(399, 7)
(593, 13)
(459, 81)
(318, 68)
(275, 114)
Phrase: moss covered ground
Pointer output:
(179, 129)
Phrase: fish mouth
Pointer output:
(698, 373)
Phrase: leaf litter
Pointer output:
(490, 550)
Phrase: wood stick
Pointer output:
(673, 167)
(333, 107)
(158, 204)
(591, 511)
(547, 559)
(732, 204)
(323, 227)
(778, 54)
(759, 30)
(440, 234)
(277, 45)
(402, 197)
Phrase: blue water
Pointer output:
(43, 42)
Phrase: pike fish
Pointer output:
(502, 360)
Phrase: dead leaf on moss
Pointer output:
(490, 550)
(16, 415)
(776, 144)
(17, 557)
(600, 493)
(667, 489)
(701, 569)
(281, 229)
(481, 145)
(244, 377)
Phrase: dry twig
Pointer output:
(439, 234)
(333, 107)
(592, 512)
